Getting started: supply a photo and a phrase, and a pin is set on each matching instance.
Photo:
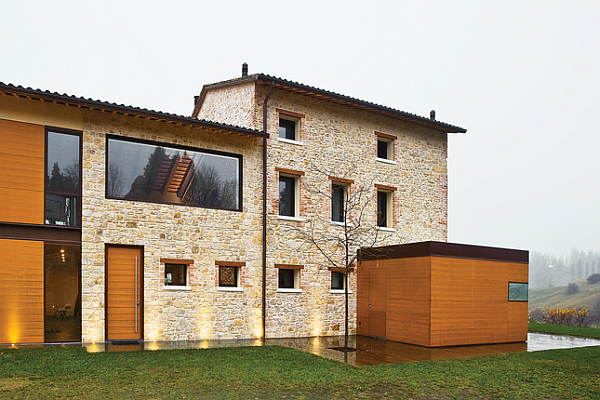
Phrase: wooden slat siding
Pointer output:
(21, 172)
(470, 302)
(378, 300)
(517, 310)
(120, 293)
(21, 291)
(362, 297)
(408, 298)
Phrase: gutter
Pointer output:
(264, 227)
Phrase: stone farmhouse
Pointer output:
(120, 223)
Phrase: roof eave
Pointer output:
(121, 109)
(331, 96)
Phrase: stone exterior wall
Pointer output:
(173, 232)
(341, 142)
(233, 105)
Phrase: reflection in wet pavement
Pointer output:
(370, 351)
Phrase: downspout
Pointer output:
(264, 219)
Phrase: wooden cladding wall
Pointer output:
(21, 291)
(469, 302)
(441, 301)
(22, 148)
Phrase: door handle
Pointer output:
(135, 284)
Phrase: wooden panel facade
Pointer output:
(124, 308)
(21, 291)
(447, 300)
(22, 148)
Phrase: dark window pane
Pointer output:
(518, 291)
(62, 163)
(160, 174)
(287, 196)
(382, 209)
(228, 276)
(337, 280)
(337, 203)
(286, 278)
(287, 129)
(62, 210)
(175, 275)
(382, 149)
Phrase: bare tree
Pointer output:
(350, 226)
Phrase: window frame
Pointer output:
(239, 157)
(239, 275)
(296, 176)
(296, 271)
(67, 194)
(342, 191)
(289, 116)
(390, 141)
(170, 261)
(518, 283)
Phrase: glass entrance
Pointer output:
(62, 293)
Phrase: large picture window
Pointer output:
(63, 179)
(157, 173)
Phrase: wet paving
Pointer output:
(370, 351)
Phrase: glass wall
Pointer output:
(165, 174)
(62, 299)
(63, 180)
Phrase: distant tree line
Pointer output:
(547, 270)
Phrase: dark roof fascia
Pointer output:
(332, 96)
(121, 109)
(443, 249)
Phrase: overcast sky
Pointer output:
(521, 76)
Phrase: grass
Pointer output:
(276, 372)
(557, 297)
(564, 330)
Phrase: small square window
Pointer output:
(288, 128)
(228, 276)
(518, 292)
(288, 195)
(337, 280)
(339, 193)
(384, 209)
(176, 275)
(286, 279)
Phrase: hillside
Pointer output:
(587, 296)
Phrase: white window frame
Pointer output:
(296, 216)
(297, 276)
(389, 217)
(238, 285)
(297, 127)
(187, 263)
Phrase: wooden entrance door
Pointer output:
(377, 301)
(124, 293)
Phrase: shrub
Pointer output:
(572, 288)
(568, 316)
(593, 278)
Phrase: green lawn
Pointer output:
(276, 372)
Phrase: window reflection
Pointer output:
(146, 172)
(63, 181)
